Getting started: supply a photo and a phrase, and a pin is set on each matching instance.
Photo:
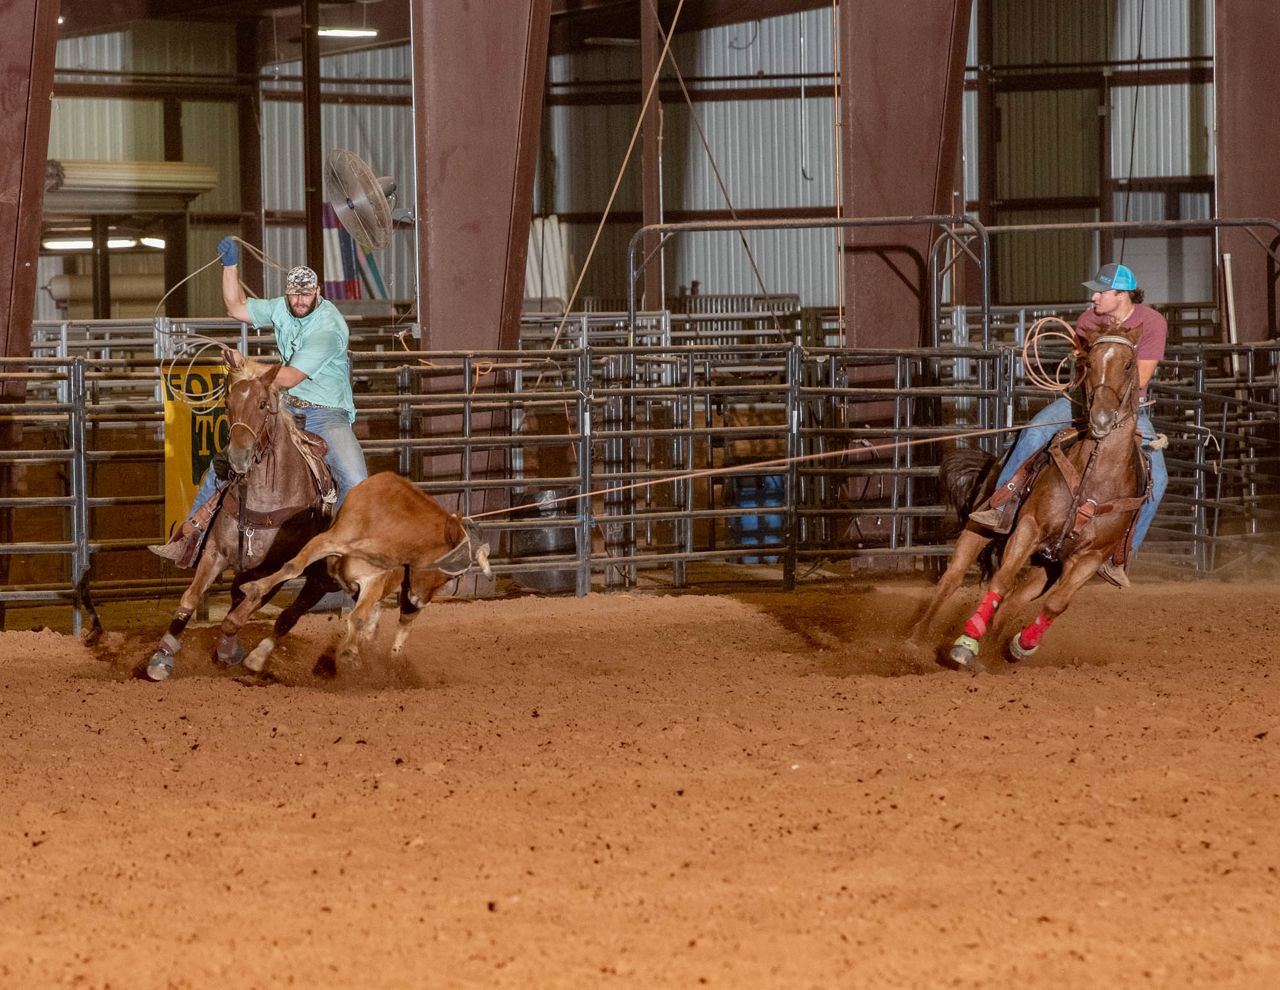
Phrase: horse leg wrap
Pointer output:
(978, 622)
(1031, 636)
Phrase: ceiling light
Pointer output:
(353, 32)
(153, 242)
(68, 244)
(121, 242)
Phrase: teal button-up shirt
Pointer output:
(316, 345)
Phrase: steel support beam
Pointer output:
(902, 79)
(1248, 36)
(651, 149)
(312, 139)
(28, 39)
(479, 70)
(249, 129)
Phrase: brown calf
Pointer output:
(388, 535)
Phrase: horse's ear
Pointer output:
(269, 378)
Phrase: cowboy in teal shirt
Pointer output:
(315, 344)
(312, 338)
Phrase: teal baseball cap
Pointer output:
(1112, 277)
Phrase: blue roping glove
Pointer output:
(228, 251)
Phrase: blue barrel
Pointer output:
(767, 529)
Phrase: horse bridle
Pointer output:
(1122, 399)
(260, 437)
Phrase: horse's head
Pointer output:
(252, 403)
(1109, 363)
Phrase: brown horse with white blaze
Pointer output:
(1079, 510)
(269, 509)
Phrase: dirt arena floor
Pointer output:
(753, 789)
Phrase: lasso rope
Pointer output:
(755, 465)
(1032, 365)
(200, 402)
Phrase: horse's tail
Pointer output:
(967, 479)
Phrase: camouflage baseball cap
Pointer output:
(301, 280)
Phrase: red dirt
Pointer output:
(645, 790)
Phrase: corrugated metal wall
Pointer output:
(768, 159)
(761, 147)
(1050, 141)
(381, 134)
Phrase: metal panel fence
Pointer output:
(656, 459)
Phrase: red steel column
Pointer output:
(479, 70)
(28, 39)
(312, 140)
(1248, 36)
(902, 79)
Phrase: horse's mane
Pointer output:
(1112, 329)
(250, 368)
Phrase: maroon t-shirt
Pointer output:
(1155, 331)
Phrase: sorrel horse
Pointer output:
(1078, 512)
(269, 509)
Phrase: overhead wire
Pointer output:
(617, 182)
(1133, 125)
(715, 170)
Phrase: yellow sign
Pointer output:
(191, 438)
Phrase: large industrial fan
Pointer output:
(361, 199)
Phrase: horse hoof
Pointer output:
(964, 653)
(230, 652)
(160, 666)
(1017, 651)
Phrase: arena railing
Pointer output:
(662, 462)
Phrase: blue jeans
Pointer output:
(345, 457)
(1036, 434)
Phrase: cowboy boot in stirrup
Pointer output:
(997, 518)
(181, 546)
(184, 546)
(1113, 573)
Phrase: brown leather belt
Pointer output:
(304, 404)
